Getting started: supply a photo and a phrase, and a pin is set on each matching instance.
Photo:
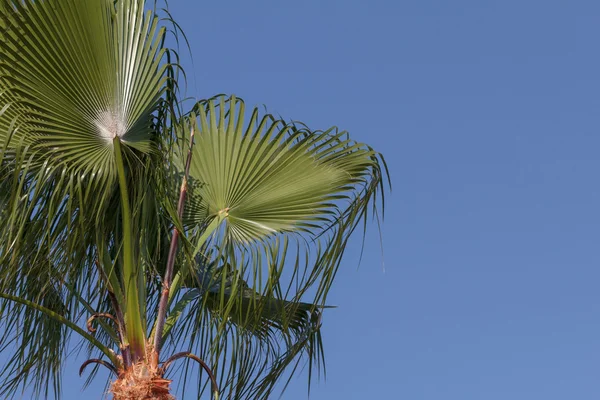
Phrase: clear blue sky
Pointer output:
(488, 115)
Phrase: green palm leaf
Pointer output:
(74, 75)
(93, 150)
(289, 198)
(269, 176)
(246, 308)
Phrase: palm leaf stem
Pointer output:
(181, 274)
(133, 318)
(177, 312)
(168, 278)
(177, 283)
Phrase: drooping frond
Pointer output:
(39, 341)
(73, 76)
(288, 199)
(92, 155)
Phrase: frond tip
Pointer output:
(100, 362)
(91, 329)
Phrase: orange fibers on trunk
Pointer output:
(141, 382)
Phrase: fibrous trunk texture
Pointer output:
(141, 382)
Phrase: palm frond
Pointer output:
(271, 176)
(72, 86)
(73, 75)
(92, 150)
(37, 342)
(289, 198)
(226, 293)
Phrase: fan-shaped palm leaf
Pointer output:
(281, 202)
(269, 176)
(76, 74)
(74, 77)
(92, 149)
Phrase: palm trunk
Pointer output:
(145, 380)
(141, 381)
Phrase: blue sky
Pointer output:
(487, 114)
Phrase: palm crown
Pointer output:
(216, 231)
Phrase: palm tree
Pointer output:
(212, 234)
